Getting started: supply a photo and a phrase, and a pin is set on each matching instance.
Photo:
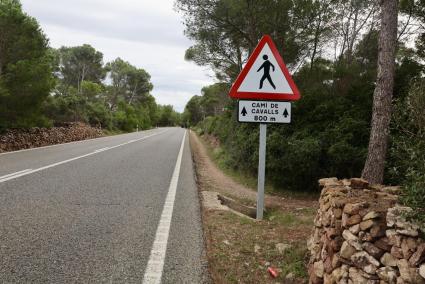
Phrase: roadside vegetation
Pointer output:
(331, 48)
(240, 249)
(41, 86)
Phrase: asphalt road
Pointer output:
(91, 211)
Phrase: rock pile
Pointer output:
(362, 236)
(17, 139)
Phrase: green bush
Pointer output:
(406, 163)
(208, 124)
(414, 196)
(327, 137)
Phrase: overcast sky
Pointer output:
(147, 33)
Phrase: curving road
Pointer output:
(120, 209)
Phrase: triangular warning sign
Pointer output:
(265, 76)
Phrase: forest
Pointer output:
(43, 86)
(331, 48)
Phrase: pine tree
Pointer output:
(25, 67)
(375, 163)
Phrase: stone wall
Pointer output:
(17, 139)
(361, 236)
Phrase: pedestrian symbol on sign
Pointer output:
(266, 66)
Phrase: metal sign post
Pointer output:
(261, 170)
(265, 89)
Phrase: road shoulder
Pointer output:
(186, 260)
(240, 249)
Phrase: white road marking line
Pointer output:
(153, 273)
(101, 150)
(30, 171)
(16, 173)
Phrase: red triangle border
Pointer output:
(265, 96)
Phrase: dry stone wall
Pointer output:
(17, 139)
(362, 236)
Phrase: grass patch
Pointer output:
(296, 261)
(303, 216)
(241, 250)
(283, 218)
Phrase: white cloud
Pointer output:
(147, 33)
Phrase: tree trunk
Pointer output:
(316, 43)
(374, 167)
(133, 94)
(1, 56)
(350, 44)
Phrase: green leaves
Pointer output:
(226, 31)
(25, 69)
(113, 96)
(213, 101)
(128, 82)
(80, 63)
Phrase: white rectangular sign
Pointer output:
(264, 111)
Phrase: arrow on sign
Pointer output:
(285, 113)
(244, 112)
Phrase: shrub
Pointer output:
(407, 153)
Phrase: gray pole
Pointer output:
(261, 171)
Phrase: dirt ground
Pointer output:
(241, 250)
